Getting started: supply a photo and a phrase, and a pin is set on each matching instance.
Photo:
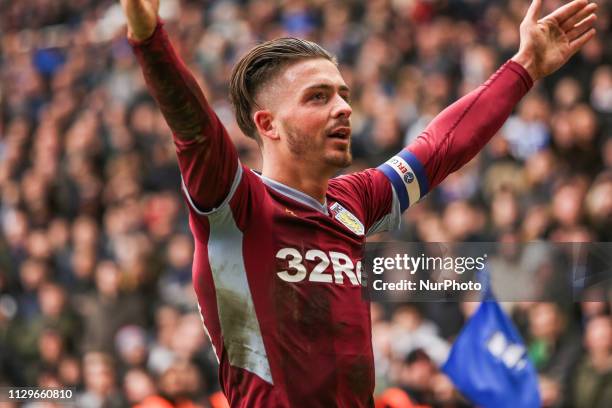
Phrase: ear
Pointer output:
(264, 122)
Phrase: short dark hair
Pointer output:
(259, 66)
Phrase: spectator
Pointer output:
(108, 309)
(552, 346)
(591, 382)
(138, 386)
(416, 377)
(100, 382)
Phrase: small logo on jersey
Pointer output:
(347, 218)
(409, 177)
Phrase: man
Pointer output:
(278, 255)
(590, 383)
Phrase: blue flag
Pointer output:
(488, 362)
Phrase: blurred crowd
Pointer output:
(95, 250)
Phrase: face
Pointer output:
(309, 106)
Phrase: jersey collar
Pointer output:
(295, 194)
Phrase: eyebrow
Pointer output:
(341, 88)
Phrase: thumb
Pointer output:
(535, 8)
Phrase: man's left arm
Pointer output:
(460, 131)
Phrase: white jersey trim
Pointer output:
(234, 187)
(390, 221)
(212, 344)
(240, 329)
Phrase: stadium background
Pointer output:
(95, 251)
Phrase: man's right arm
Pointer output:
(207, 158)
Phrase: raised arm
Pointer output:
(207, 158)
(460, 131)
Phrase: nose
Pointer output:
(342, 108)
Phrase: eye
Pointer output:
(319, 97)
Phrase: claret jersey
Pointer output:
(278, 278)
(276, 272)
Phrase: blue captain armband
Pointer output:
(407, 176)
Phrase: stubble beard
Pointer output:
(304, 147)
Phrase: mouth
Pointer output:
(340, 133)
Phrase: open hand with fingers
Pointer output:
(548, 42)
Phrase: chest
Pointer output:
(309, 246)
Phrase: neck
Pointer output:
(301, 176)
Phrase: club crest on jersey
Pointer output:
(347, 218)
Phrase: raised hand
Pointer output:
(141, 17)
(547, 43)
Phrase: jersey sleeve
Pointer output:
(370, 194)
(207, 158)
(456, 135)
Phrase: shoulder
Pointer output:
(369, 191)
(358, 181)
